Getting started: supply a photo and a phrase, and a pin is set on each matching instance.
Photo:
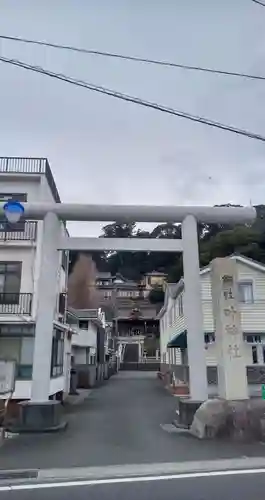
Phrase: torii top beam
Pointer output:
(137, 213)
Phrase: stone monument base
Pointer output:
(36, 417)
(238, 420)
(187, 408)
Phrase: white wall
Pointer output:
(171, 324)
(86, 338)
(56, 385)
(23, 388)
(29, 184)
(79, 353)
(252, 315)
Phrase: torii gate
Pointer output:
(52, 240)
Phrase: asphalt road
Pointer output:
(120, 423)
(198, 488)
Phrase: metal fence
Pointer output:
(27, 231)
(15, 303)
(255, 374)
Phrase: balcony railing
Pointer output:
(15, 303)
(25, 231)
(23, 165)
(16, 165)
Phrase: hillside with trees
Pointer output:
(215, 240)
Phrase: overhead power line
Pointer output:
(133, 58)
(260, 3)
(133, 99)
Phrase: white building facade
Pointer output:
(29, 180)
(173, 342)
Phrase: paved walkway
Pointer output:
(120, 423)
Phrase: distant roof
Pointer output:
(104, 275)
(241, 258)
(155, 273)
(84, 313)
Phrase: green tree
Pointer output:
(156, 295)
(215, 240)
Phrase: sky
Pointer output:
(102, 150)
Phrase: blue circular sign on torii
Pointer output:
(13, 211)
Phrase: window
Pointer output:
(65, 259)
(180, 302)
(10, 348)
(10, 279)
(26, 353)
(254, 355)
(83, 325)
(254, 339)
(245, 291)
(4, 197)
(107, 294)
(20, 350)
(170, 317)
(57, 359)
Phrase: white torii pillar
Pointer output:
(193, 311)
(47, 300)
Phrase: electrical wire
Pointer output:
(132, 99)
(132, 58)
(258, 2)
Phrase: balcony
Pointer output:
(23, 231)
(16, 165)
(15, 303)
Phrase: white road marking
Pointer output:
(120, 480)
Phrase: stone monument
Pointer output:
(233, 414)
(232, 375)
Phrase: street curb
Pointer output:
(130, 470)
(116, 471)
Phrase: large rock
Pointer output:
(238, 420)
(210, 419)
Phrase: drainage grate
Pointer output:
(18, 474)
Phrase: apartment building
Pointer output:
(29, 180)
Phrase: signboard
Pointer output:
(7, 376)
(230, 315)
